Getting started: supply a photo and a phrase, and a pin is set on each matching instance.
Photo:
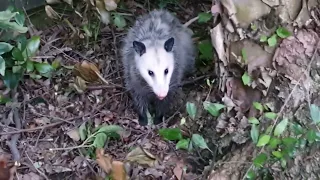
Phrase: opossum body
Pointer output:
(157, 53)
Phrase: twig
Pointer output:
(70, 148)
(42, 127)
(42, 174)
(192, 21)
(286, 102)
(115, 50)
(14, 139)
(56, 118)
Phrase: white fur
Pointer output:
(156, 60)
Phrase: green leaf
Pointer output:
(283, 33)
(280, 127)
(35, 76)
(5, 47)
(11, 80)
(17, 54)
(258, 106)
(270, 115)
(204, 17)
(16, 69)
(30, 66)
(251, 175)
(43, 68)
(272, 41)
(297, 129)
(260, 160)
(253, 120)
(119, 21)
(263, 140)
(244, 55)
(206, 50)
(56, 64)
(277, 154)
(33, 46)
(183, 144)
(263, 38)
(315, 113)
(283, 163)
(170, 134)
(111, 130)
(198, 141)
(20, 18)
(2, 66)
(7, 15)
(83, 131)
(4, 100)
(289, 141)
(246, 79)
(13, 26)
(100, 140)
(254, 133)
(274, 142)
(213, 108)
(191, 109)
(311, 136)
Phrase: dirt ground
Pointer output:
(52, 110)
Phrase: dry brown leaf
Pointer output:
(87, 71)
(80, 84)
(141, 156)
(105, 15)
(51, 13)
(104, 160)
(6, 172)
(74, 134)
(178, 170)
(118, 171)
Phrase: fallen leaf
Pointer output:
(111, 5)
(178, 170)
(141, 156)
(74, 134)
(80, 84)
(104, 160)
(118, 171)
(88, 71)
(6, 171)
(105, 15)
(42, 121)
(51, 13)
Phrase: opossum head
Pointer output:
(156, 64)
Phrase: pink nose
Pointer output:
(161, 96)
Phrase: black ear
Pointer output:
(139, 47)
(168, 45)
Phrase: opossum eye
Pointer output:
(166, 71)
(150, 73)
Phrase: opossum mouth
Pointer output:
(160, 98)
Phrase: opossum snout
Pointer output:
(162, 95)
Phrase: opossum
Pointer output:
(157, 53)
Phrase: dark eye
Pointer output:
(150, 73)
(166, 71)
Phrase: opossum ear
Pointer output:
(139, 47)
(168, 45)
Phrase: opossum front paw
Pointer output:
(143, 120)
(158, 120)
